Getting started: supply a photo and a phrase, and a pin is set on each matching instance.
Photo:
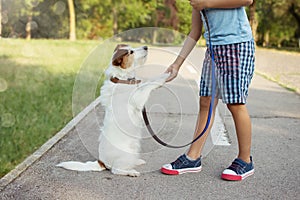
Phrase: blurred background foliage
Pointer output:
(275, 23)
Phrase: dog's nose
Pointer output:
(145, 48)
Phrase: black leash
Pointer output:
(144, 112)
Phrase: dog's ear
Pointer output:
(120, 46)
(117, 58)
(117, 61)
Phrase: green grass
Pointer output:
(36, 85)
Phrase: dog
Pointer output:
(123, 97)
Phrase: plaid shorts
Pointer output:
(234, 67)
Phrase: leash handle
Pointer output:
(211, 106)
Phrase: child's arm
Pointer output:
(188, 46)
(202, 4)
(193, 37)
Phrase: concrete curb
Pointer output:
(291, 88)
(15, 173)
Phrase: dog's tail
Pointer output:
(80, 166)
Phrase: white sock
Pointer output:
(191, 159)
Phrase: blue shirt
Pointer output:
(227, 26)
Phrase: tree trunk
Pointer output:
(253, 21)
(115, 20)
(173, 21)
(28, 27)
(266, 39)
(296, 15)
(72, 35)
(0, 18)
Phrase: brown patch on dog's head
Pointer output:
(119, 53)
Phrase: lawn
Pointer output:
(36, 88)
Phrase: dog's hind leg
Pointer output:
(128, 172)
(125, 165)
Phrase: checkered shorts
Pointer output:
(234, 67)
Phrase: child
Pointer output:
(233, 47)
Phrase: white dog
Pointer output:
(123, 97)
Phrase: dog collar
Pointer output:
(129, 81)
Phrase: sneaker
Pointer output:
(238, 170)
(182, 165)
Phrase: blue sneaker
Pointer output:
(238, 170)
(182, 165)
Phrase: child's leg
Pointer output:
(195, 149)
(192, 161)
(242, 167)
(243, 129)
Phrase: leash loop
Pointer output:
(211, 106)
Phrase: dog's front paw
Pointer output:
(161, 78)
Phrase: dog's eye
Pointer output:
(131, 52)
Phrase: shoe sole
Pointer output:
(231, 177)
(180, 171)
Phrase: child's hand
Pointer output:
(173, 71)
(197, 4)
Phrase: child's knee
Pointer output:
(235, 107)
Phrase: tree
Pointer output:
(29, 11)
(294, 9)
(274, 22)
(277, 26)
(109, 17)
(94, 20)
(29, 25)
(253, 19)
(0, 18)
(72, 16)
(184, 16)
(137, 14)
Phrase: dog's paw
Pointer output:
(161, 79)
(140, 162)
(133, 173)
(123, 172)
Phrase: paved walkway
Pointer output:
(275, 114)
(281, 67)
